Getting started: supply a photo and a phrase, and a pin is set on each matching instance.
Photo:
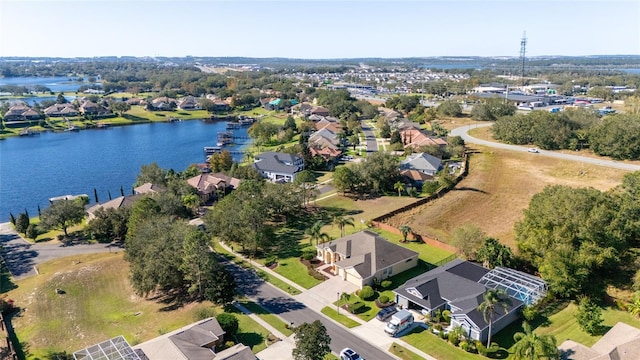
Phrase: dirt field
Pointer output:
(499, 187)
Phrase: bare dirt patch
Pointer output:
(499, 187)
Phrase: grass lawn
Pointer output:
(344, 320)
(98, 304)
(403, 353)
(265, 315)
(294, 270)
(429, 254)
(420, 338)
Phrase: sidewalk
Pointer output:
(372, 330)
(276, 350)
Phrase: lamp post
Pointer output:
(338, 304)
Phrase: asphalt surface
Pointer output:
(462, 132)
(21, 257)
(297, 313)
(370, 138)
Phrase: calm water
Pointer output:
(56, 84)
(33, 169)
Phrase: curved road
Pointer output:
(463, 133)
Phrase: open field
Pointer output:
(499, 187)
(98, 304)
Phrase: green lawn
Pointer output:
(431, 344)
(428, 253)
(265, 315)
(403, 352)
(295, 271)
(344, 320)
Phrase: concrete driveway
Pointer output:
(21, 257)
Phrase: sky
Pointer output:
(327, 29)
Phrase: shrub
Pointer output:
(437, 327)
(464, 345)
(204, 313)
(366, 292)
(482, 350)
(308, 255)
(271, 260)
(356, 307)
(442, 335)
(454, 338)
(492, 350)
(529, 313)
(22, 223)
(228, 323)
(32, 231)
(386, 284)
(316, 275)
(446, 316)
(383, 299)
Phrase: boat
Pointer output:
(72, 128)
(172, 119)
(28, 132)
(233, 125)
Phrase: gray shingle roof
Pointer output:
(368, 252)
(277, 162)
(191, 342)
(422, 162)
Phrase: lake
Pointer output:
(56, 84)
(34, 169)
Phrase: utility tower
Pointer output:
(523, 51)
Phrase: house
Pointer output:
(163, 103)
(59, 110)
(210, 186)
(315, 118)
(189, 103)
(459, 287)
(304, 109)
(422, 162)
(117, 203)
(320, 111)
(364, 256)
(266, 103)
(621, 342)
(278, 167)
(90, 108)
(415, 138)
(220, 105)
(197, 341)
(118, 349)
(327, 153)
(416, 177)
(21, 112)
(326, 134)
(147, 188)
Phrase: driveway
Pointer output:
(21, 257)
(370, 138)
(463, 133)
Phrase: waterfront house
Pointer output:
(117, 203)
(60, 110)
(148, 188)
(21, 112)
(364, 256)
(164, 103)
(210, 186)
(220, 105)
(459, 287)
(188, 103)
(278, 167)
(90, 108)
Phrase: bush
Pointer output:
(454, 338)
(446, 316)
(356, 307)
(204, 313)
(386, 284)
(442, 335)
(366, 292)
(316, 275)
(383, 299)
(529, 313)
(22, 223)
(464, 345)
(482, 350)
(437, 327)
(271, 260)
(32, 231)
(228, 323)
(308, 255)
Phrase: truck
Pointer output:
(400, 321)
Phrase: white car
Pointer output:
(349, 354)
(534, 150)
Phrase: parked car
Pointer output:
(534, 150)
(349, 354)
(385, 313)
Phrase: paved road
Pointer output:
(297, 313)
(462, 132)
(370, 138)
(21, 257)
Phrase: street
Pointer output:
(463, 133)
(297, 313)
(370, 138)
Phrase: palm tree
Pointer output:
(399, 186)
(493, 298)
(342, 221)
(405, 230)
(634, 306)
(315, 232)
(530, 346)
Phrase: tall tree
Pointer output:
(492, 299)
(491, 253)
(312, 341)
(467, 240)
(342, 221)
(315, 232)
(307, 182)
(530, 346)
(399, 187)
(221, 289)
(152, 173)
(589, 316)
(62, 214)
(221, 161)
(197, 262)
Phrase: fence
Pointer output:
(6, 348)
(379, 221)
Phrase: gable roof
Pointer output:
(367, 252)
(416, 175)
(148, 188)
(193, 341)
(422, 162)
(621, 342)
(207, 183)
(117, 203)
